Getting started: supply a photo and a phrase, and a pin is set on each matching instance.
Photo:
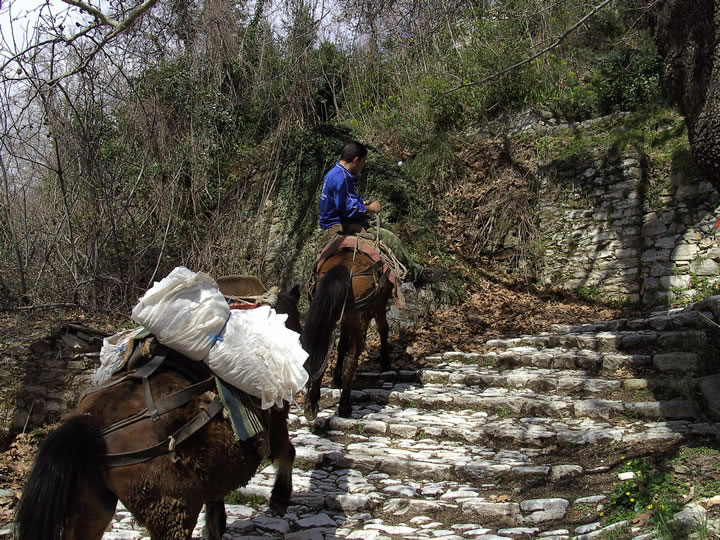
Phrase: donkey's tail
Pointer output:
(325, 310)
(68, 464)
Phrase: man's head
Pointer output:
(353, 156)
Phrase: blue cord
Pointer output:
(215, 338)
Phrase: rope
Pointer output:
(270, 298)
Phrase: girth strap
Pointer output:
(362, 302)
(169, 444)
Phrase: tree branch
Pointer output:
(104, 19)
(118, 28)
(557, 42)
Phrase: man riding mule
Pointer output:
(343, 211)
(354, 277)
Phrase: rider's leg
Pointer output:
(396, 246)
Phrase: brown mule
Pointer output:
(72, 494)
(355, 287)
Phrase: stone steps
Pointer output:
(699, 315)
(489, 444)
(503, 402)
(609, 341)
(589, 426)
(680, 362)
(566, 381)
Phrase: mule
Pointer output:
(351, 287)
(71, 492)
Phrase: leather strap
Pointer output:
(145, 371)
(362, 302)
(166, 404)
(168, 445)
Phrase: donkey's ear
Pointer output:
(295, 293)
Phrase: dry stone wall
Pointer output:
(607, 231)
(43, 377)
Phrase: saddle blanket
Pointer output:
(366, 247)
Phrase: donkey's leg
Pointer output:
(342, 349)
(312, 398)
(215, 520)
(282, 454)
(169, 518)
(357, 343)
(98, 508)
(383, 329)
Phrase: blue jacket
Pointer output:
(339, 201)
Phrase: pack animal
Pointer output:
(71, 492)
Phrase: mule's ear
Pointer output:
(295, 293)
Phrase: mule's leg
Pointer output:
(169, 518)
(98, 509)
(215, 520)
(357, 343)
(312, 398)
(282, 454)
(383, 329)
(342, 349)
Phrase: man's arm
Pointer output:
(350, 205)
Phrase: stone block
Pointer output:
(491, 509)
(676, 362)
(704, 267)
(669, 282)
(684, 252)
(709, 390)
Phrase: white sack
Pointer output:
(184, 311)
(112, 353)
(259, 355)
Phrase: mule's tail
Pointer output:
(68, 461)
(326, 307)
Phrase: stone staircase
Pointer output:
(521, 439)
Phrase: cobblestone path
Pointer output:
(500, 444)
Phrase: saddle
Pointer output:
(246, 292)
(384, 267)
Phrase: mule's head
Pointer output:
(287, 303)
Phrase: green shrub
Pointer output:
(626, 80)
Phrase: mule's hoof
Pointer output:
(345, 413)
(311, 412)
(278, 508)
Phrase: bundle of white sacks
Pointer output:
(250, 349)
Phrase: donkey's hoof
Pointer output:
(311, 412)
(345, 413)
(278, 508)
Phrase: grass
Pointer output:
(304, 465)
(236, 497)
(652, 493)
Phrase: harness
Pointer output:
(380, 270)
(154, 409)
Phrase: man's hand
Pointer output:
(373, 207)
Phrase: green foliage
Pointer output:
(577, 102)
(650, 491)
(626, 80)
(703, 287)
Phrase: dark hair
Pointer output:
(353, 149)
